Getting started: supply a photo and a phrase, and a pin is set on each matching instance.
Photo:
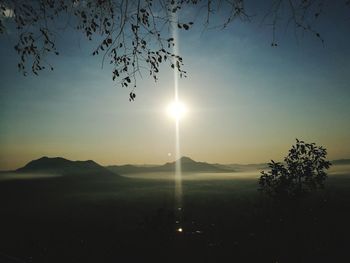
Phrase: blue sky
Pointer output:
(247, 101)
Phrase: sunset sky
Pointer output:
(247, 101)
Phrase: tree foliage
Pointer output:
(136, 36)
(303, 171)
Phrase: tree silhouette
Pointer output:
(135, 36)
(303, 171)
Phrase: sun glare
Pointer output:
(177, 110)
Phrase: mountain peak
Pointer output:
(185, 159)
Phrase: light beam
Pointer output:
(178, 112)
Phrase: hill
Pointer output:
(63, 166)
(264, 166)
(187, 165)
(248, 167)
(341, 162)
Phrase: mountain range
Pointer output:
(187, 165)
(341, 162)
(61, 166)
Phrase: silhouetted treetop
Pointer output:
(136, 36)
(303, 170)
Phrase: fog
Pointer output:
(250, 173)
(242, 174)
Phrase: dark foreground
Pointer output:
(107, 219)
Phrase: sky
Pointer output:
(247, 101)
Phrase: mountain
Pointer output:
(247, 167)
(187, 165)
(264, 166)
(63, 166)
(341, 162)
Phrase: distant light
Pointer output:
(179, 230)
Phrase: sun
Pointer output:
(177, 110)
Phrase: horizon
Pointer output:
(147, 164)
(246, 101)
